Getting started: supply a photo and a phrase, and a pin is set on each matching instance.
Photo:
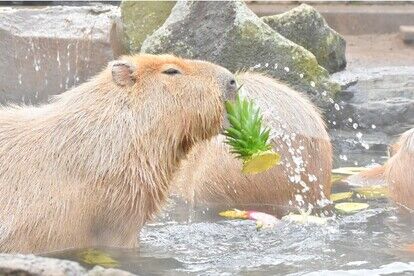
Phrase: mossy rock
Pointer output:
(305, 26)
(230, 34)
(140, 19)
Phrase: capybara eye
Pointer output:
(171, 71)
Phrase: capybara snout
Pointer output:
(228, 84)
(225, 79)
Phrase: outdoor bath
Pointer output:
(115, 159)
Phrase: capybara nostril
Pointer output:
(231, 89)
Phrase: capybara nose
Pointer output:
(230, 88)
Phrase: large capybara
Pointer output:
(91, 167)
(211, 176)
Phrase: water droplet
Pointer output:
(355, 125)
(337, 106)
(343, 157)
(373, 126)
(312, 83)
(286, 69)
(350, 120)
(359, 135)
(365, 145)
(301, 76)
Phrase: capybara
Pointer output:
(397, 172)
(93, 165)
(211, 176)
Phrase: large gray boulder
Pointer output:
(31, 265)
(375, 106)
(230, 34)
(45, 51)
(142, 18)
(305, 26)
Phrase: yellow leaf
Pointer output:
(350, 207)
(336, 177)
(372, 192)
(349, 170)
(341, 196)
(234, 214)
(260, 162)
(96, 257)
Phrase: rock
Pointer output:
(407, 33)
(45, 51)
(142, 18)
(360, 141)
(230, 34)
(31, 265)
(305, 26)
(378, 105)
(100, 271)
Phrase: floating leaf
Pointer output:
(336, 177)
(349, 170)
(350, 207)
(305, 219)
(234, 214)
(372, 192)
(341, 196)
(263, 220)
(96, 257)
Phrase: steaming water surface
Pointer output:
(184, 241)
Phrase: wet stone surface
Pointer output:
(374, 107)
(46, 51)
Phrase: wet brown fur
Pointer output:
(397, 172)
(91, 167)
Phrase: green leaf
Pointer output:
(97, 257)
(246, 136)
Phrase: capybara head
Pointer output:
(189, 93)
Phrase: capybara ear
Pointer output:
(123, 72)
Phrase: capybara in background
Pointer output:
(397, 172)
(211, 176)
(91, 167)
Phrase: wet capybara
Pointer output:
(211, 176)
(93, 165)
(397, 172)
